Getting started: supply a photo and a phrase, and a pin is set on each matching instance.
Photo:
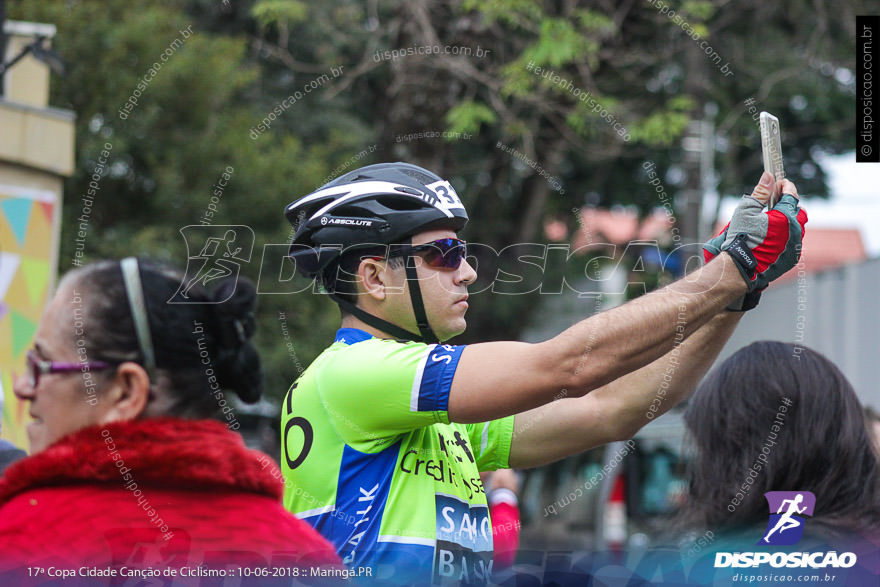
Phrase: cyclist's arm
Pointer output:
(616, 411)
(498, 379)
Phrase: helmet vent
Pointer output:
(398, 203)
(418, 176)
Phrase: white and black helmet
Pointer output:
(382, 204)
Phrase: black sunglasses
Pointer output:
(445, 253)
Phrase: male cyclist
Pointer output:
(385, 434)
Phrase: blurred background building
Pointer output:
(36, 155)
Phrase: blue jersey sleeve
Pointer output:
(377, 389)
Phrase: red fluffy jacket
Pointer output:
(152, 493)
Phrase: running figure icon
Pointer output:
(786, 522)
(216, 266)
(213, 252)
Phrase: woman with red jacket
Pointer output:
(130, 466)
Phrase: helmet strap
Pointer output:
(374, 321)
(415, 295)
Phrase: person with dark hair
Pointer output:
(780, 417)
(130, 466)
(872, 418)
(386, 432)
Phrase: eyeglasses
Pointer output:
(446, 253)
(37, 367)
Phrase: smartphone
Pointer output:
(771, 145)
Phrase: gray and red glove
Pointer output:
(764, 244)
(711, 249)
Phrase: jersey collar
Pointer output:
(352, 335)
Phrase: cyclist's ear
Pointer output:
(374, 278)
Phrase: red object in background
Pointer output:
(504, 513)
(71, 504)
(826, 248)
(615, 517)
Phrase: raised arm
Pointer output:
(616, 411)
(498, 379)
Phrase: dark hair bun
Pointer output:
(237, 362)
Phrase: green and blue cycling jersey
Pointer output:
(372, 462)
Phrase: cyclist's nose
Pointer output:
(466, 273)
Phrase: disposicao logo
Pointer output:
(784, 528)
(786, 525)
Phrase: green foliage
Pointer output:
(518, 81)
(591, 20)
(467, 117)
(192, 120)
(698, 9)
(516, 13)
(285, 12)
(663, 128)
(560, 43)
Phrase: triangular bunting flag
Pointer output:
(48, 210)
(18, 214)
(36, 277)
(22, 332)
(8, 266)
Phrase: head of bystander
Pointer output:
(135, 459)
(780, 417)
